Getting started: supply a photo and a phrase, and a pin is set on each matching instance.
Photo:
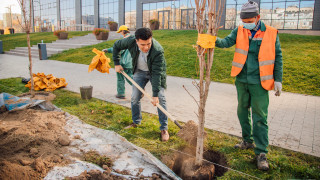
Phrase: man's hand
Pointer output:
(105, 50)
(118, 68)
(277, 88)
(155, 100)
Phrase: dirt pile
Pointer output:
(29, 145)
(189, 133)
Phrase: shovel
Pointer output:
(149, 97)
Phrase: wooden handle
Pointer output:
(150, 98)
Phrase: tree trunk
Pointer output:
(205, 61)
(30, 65)
(201, 112)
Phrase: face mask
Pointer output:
(249, 26)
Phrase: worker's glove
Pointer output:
(277, 88)
(105, 50)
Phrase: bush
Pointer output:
(111, 22)
(97, 31)
(57, 32)
(151, 21)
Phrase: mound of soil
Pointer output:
(189, 133)
(29, 145)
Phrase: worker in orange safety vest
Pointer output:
(257, 66)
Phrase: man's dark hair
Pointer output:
(143, 33)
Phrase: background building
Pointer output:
(72, 15)
(11, 20)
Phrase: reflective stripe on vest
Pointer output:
(266, 54)
(241, 52)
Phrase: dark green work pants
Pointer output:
(255, 97)
(121, 81)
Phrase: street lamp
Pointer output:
(235, 21)
(9, 8)
(174, 15)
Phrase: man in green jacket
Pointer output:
(257, 66)
(149, 64)
(125, 62)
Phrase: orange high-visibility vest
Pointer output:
(266, 56)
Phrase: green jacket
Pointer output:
(155, 60)
(250, 72)
(125, 60)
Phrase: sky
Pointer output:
(15, 8)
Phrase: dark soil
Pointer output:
(29, 145)
(183, 164)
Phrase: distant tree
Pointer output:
(26, 27)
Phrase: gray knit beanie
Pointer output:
(249, 10)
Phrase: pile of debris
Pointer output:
(46, 82)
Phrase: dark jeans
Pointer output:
(142, 78)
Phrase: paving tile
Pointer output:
(305, 149)
(294, 135)
(306, 142)
(316, 149)
(294, 144)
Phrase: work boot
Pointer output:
(131, 125)
(244, 145)
(120, 96)
(164, 135)
(262, 162)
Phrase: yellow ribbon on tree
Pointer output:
(206, 41)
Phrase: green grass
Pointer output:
(284, 164)
(82, 55)
(301, 55)
(11, 41)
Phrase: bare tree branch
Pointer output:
(191, 95)
(196, 85)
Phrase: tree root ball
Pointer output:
(189, 170)
(185, 167)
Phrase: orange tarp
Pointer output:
(100, 62)
(46, 82)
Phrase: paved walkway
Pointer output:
(294, 119)
(301, 32)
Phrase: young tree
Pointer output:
(208, 14)
(26, 8)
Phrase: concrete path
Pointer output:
(294, 119)
(301, 32)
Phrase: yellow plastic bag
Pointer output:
(46, 82)
(206, 41)
(100, 62)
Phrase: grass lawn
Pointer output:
(11, 41)
(301, 56)
(284, 164)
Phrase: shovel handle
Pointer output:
(150, 98)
